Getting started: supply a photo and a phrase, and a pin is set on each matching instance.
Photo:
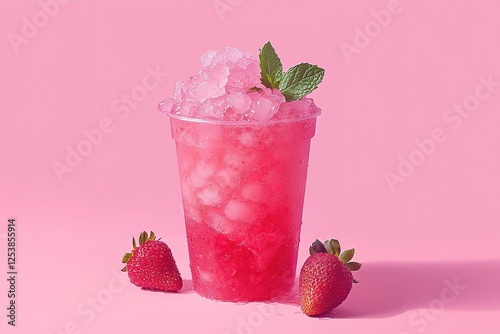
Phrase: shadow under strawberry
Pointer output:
(386, 289)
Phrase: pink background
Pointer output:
(438, 223)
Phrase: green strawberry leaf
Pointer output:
(143, 237)
(328, 247)
(271, 69)
(126, 257)
(317, 247)
(353, 266)
(300, 80)
(335, 246)
(347, 255)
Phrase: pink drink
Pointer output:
(243, 192)
(242, 156)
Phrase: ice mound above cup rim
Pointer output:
(228, 89)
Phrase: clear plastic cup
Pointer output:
(243, 187)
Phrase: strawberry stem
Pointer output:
(143, 238)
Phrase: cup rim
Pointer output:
(243, 123)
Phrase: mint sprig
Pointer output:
(271, 69)
(300, 80)
(296, 83)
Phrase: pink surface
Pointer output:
(404, 165)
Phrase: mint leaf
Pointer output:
(255, 88)
(297, 82)
(271, 69)
(300, 80)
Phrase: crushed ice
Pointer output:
(222, 90)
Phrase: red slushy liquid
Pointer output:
(243, 193)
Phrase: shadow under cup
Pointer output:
(243, 187)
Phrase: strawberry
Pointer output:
(325, 278)
(151, 266)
